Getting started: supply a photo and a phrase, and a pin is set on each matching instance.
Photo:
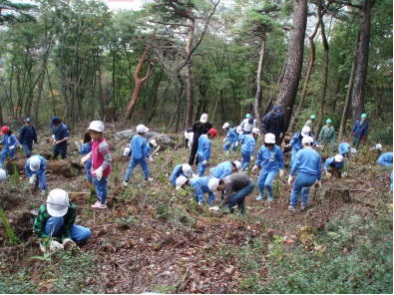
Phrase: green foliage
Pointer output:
(11, 237)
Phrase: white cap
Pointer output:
(153, 142)
(187, 170)
(57, 202)
(269, 138)
(307, 140)
(338, 158)
(213, 184)
(237, 164)
(181, 180)
(378, 146)
(96, 126)
(141, 128)
(34, 163)
(204, 118)
(3, 175)
(226, 125)
(305, 131)
(126, 151)
(256, 131)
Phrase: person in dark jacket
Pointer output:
(199, 128)
(60, 135)
(27, 135)
(360, 130)
(274, 122)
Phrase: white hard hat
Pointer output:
(307, 140)
(269, 138)
(237, 164)
(187, 170)
(153, 142)
(226, 125)
(305, 131)
(378, 146)
(126, 151)
(141, 128)
(213, 184)
(256, 131)
(3, 175)
(338, 158)
(204, 118)
(35, 163)
(57, 202)
(96, 126)
(181, 180)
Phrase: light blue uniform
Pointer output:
(231, 140)
(176, 173)
(200, 185)
(344, 148)
(307, 165)
(296, 145)
(85, 149)
(40, 173)
(222, 170)
(270, 161)
(203, 153)
(386, 159)
(248, 142)
(330, 162)
(140, 150)
(10, 148)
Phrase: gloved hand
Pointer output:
(205, 163)
(255, 168)
(281, 173)
(252, 158)
(214, 208)
(290, 180)
(32, 179)
(280, 135)
(317, 184)
(99, 172)
(55, 246)
(85, 158)
(68, 244)
(12, 147)
(151, 159)
(224, 140)
(329, 174)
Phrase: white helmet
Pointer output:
(378, 147)
(126, 151)
(307, 140)
(153, 142)
(34, 163)
(141, 128)
(204, 118)
(338, 158)
(96, 126)
(237, 164)
(213, 184)
(181, 180)
(57, 202)
(187, 170)
(269, 138)
(226, 125)
(256, 131)
(305, 131)
(3, 175)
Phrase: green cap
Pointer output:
(363, 116)
(328, 121)
(313, 117)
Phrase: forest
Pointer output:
(163, 66)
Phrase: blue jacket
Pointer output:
(200, 185)
(176, 173)
(140, 147)
(27, 135)
(344, 148)
(85, 149)
(386, 159)
(360, 128)
(330, 162)
(43, 167)
(270, 160)
(307, 161)
(9, 141)
(296, 141)
(248, 143)
(222, 170)
(204, 147)
(61, 132)
(232, 135)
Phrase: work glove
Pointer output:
(32, 179)
(317, 184)
(281, 173)
(99, 173)
(280, 135)
(329, 174)
(224, 140)
(252, 158)
(12, 147)
(85, 158)
(255, 168)
(214, 208)
(290, 180)
(151, 159)
(68, 244)
(205, 163)
(55, 246)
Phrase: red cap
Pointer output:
(5, 129)
(212, 132)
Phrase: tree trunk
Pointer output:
(293, 65)
(189, 76)
(362, 61)
(259, 77)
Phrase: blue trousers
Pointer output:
(238, 197)
(229, 146)
(54, 225)
(61, 150)
(265, 181)
(5, 152)
(101, 188)
(246, 155)
(133, 163)
(302, 184)
(200, 167)
(41, 179)
(27, 148)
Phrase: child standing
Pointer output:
(140, 150)
(11, 144)
(204, 150)
(248, 142)
(230, 139)
(85, 149)
(101, 163)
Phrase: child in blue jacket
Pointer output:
(11, 144)
(248, 143)
(334, 164)
(231, 138)
(201, 185)
(35, 168)
(204, 150)
(85, 149)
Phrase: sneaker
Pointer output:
(292, 209)
(259, 198)
(303, 207)
(149, 179)
(99, 205)
(125, 183)
(270, 199)
(43, 193)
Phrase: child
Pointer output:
(225, 169)
(35, 169)
(140, 150)
(230, 139)
(101, 163)
(204, 150)
(270, 160)
(334, 165)
(27, 136)
(181, 169)
(248, 142)
(201, 185)
(85, 149)
(11, 144)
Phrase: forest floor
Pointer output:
(156, 239)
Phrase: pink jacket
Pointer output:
(101, 156)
